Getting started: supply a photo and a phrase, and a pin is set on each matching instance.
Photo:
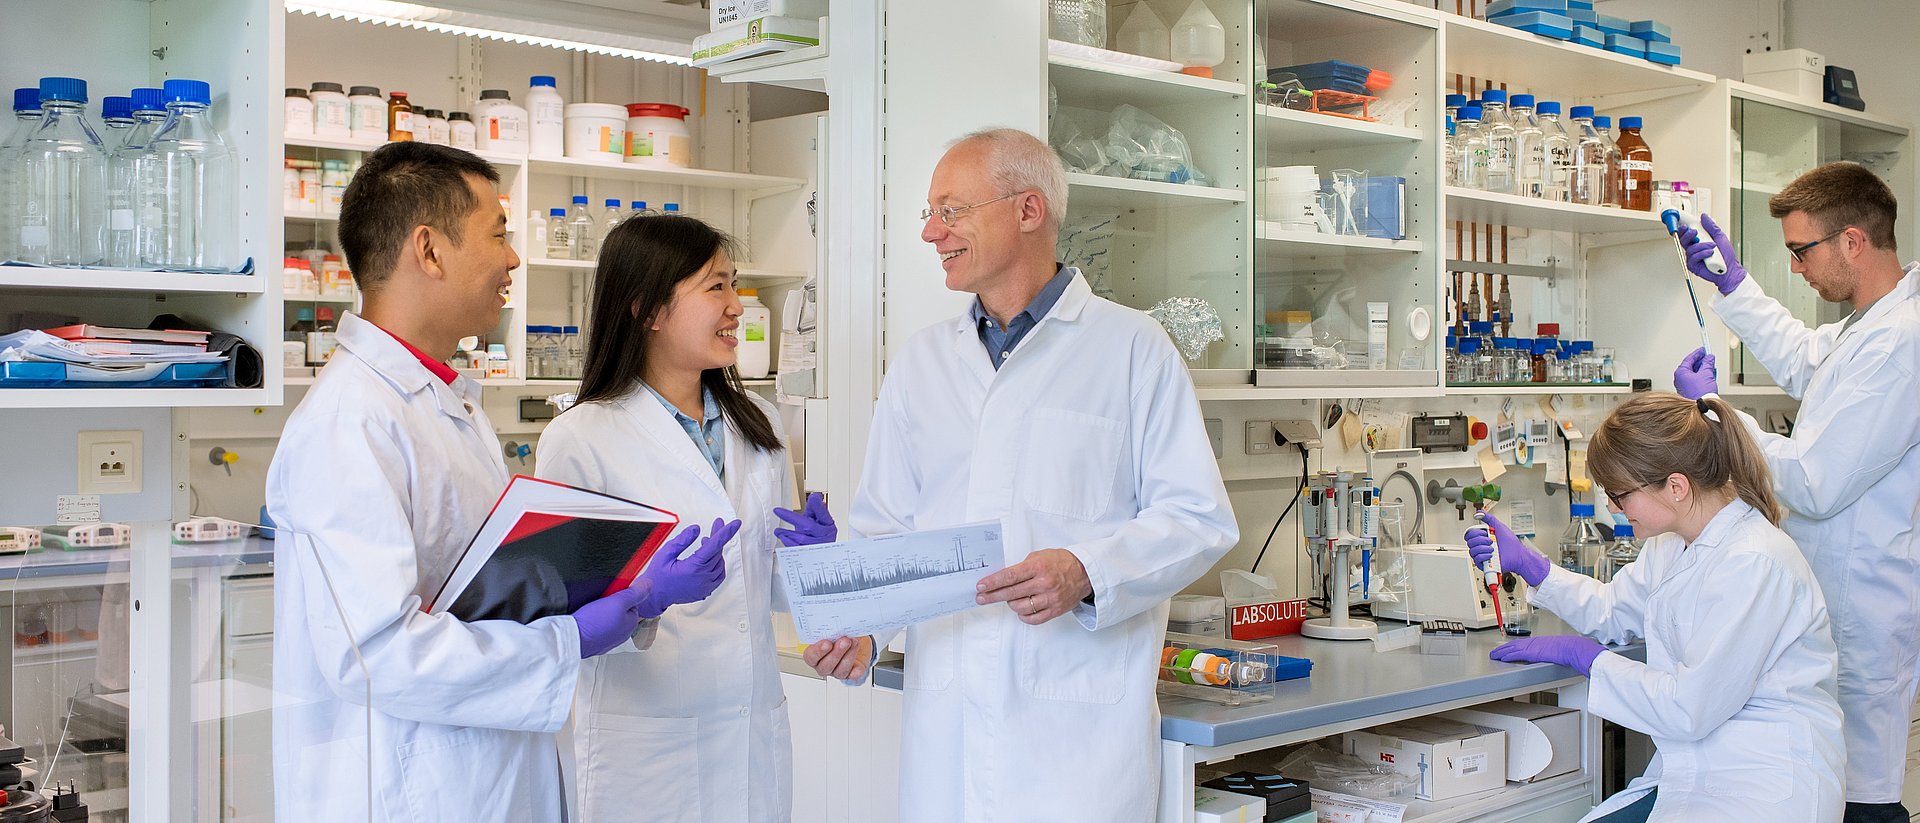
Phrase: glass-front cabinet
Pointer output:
(1774, 140)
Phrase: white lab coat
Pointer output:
(381, 478)
(695, 726)
(1088, 438)
(1738, 688)
(1850, 477)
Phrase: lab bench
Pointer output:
(1353, 687)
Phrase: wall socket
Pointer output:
(109, 462)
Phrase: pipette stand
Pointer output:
(1333, 531)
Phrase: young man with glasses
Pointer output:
(1850, 473)
(1072, 422)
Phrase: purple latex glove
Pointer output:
(1573, 651)
(690, 579)
(1700, 248)
(1696, 376)
(1515, 556)
(812, 524)
(603, 623)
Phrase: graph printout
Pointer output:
(858, 587)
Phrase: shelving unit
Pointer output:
(1079, 78)
(1477, 48)
(29, 278)
(753, 185)
(1291, 130)
(1470, 390)
(1528, 212)
(803, 69)
(1272, 241)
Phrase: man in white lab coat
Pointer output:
(1073, 422)
(382, 476)
(1850, 472)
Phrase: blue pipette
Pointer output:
(1675, 220)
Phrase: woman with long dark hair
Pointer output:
(694, 725)
(1738, 689)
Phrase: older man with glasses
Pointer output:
(1850, 472)
(1072, 422)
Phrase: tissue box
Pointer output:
(1542, 741)
(1652, 31)
(728, 12)
(1449, 757)
(1284, 798)
(1216, 806)
(1556, 26)
(761, 35)
(1589, 36)
(1666, 54)
(1627, 44)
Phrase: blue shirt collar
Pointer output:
(1042, 302)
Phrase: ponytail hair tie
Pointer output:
(1706, 410)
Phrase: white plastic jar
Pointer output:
(332, 115)
(657, 135)
(369, 113)
(502, 126)
(438, 129)
(597, 132)
(546, 118)
(460, 131)
(299, 113)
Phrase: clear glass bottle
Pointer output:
(610, 217)
(1502, 141)
(573, 350)
(26, 118)
(1636, 167)
(62, 171)
(1529, 150)
(1556, 150)
(1467, 355)
(1621, 551)
(1580, 545)
(1590, 179)
(559, 246)
(1455, 102)
(1470, 170)
(184, 186)
(116, 120)
(1614, 187)
(580, 239)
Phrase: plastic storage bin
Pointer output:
(44, 375)
(1333, 75)
(1230, 672)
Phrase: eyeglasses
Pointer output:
(948, 214)
(1616, 497)
(1797, 251)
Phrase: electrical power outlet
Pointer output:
(1260, 439)
(109, 462)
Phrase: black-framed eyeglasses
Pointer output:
(1797, 251)
(1616, 497)
(948, 214)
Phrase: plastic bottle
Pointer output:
(298, 107)
(1556, 150)
(1470, 169)
(1589, 160)
(322, 340)
(536, 239)
(558, 247)
(1530, 163)
(1636, 167)
(400, 117)
(460, 131)
(1503, 149)
(1199, 41)
(756, 350)
(1580, 545)
(62, 172)
(333, 186)
(498, 367)
(1619, 553)
(636, 208)
(580, 238)
(502, 126)
(186, 195)
(1145, 34)
(368, 114)
(332, 111)
(610, 217)
(437, 126)
(26, 118)
(1610, 196)
(546, 114)
(116, 120)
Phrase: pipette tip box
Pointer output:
(1627, 44)
(1500, 7)
(1666, 54)
(1589, 36)
(1545, 24)
(1652, 31)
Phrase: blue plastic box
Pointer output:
(1556, 26)
(45, 375)
(1627, 44)
(1666, 54)
(1580, 5)
(1589, 36)
(1613, 25)
(1584, 17)
(1500, 7)
(1652, 31)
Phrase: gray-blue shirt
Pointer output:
(709, 435)
(1001, 342)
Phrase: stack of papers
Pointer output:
(106, 346)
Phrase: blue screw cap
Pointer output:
(1547, 107)
(1580, 112)
(116, 107)
(27, 99)
(541, 80)
(65, 89)
(1494, 96)
(148, 100)
(1629, 122)
(187, 91)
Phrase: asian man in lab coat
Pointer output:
(1850, 473)
(1073, 422)
(383, 474)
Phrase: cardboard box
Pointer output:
(728, 12)
(760, 35)
(1542, 741)
(1782, 60)
(1450, 758)
(1804, 85)
(1216, 806)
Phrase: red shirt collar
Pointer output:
(441, 370)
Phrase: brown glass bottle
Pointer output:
(399, 117)
(1636, 167)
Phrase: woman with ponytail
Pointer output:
(1737, 690)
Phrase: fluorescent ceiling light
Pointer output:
(427, 18)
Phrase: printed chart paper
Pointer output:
(859, 587)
